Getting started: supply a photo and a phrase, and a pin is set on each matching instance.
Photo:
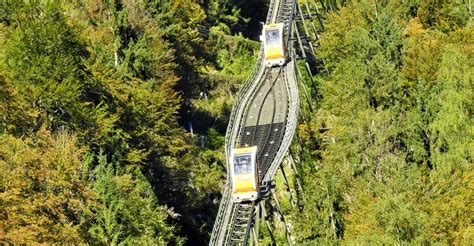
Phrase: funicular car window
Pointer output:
(242, 164)
(272, 37)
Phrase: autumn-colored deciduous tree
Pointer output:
(42, 196)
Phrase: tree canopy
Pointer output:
(397, 103)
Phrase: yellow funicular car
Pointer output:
(244, 173)
(273, 45)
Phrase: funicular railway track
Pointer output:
(264, 115)
(265, 118)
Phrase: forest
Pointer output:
(113, 116)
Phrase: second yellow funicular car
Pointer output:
(273, 45)
(244, 173)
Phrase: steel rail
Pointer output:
(291, 121)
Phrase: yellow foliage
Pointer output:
(451, 209)
(414, 27)
(42, 197)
